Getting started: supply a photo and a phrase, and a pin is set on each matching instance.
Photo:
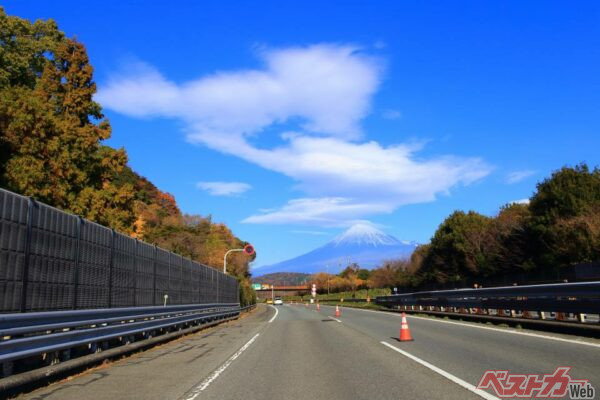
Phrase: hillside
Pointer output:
(283, 278)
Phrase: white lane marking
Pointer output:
(195, 392)
(474, 325)
(335, 319)
(513, 332)
(276, 312)
(445, 374)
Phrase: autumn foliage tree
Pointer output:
(52, 135)
(564, 217)
(558, 228)
(52, 130)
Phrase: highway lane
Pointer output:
(163, 372)
(306, 355)
(468, 349)
(296, 352)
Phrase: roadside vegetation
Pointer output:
(52, 148)
(539, 240)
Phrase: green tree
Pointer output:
(565, 227)
(22, 49)
(511, 250)
(363, 274)
(52, 130)
(459, 249)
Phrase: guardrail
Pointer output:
(533, 301)
(54, 334)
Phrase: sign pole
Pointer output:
(248, 249)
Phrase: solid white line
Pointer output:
(445, 374)
(335, 319)
(195, 392)
(276, 312)
(536, 335)
(475, 325)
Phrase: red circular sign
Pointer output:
(249, 249)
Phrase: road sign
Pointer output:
(256, 286)
(314, 290)
(249, 249)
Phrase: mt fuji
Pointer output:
(362, 244)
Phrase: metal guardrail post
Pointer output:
(135, 273)
(181, 281)
(111, 266)
(76, 267)
(26, 260)
(199, 283)
(169, 281)
(154, 277)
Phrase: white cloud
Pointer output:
(350, 180)
(325, 91)
(224, 188)
(518, 176)
(327, 86)
(324, 211)
(391, 114)
(314, 233)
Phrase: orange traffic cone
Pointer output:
(404, 331)
(337, 311)
(318, 306)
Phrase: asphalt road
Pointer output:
(295, 352)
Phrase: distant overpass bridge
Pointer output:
(266, 291)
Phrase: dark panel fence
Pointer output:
(52, 260)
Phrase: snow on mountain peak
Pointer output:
(365, 234)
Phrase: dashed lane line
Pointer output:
(196, 391)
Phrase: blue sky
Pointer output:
(289, 121)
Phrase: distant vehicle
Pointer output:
(278, 301)
(269, 301)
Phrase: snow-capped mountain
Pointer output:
(364, 234)
(362, 244)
